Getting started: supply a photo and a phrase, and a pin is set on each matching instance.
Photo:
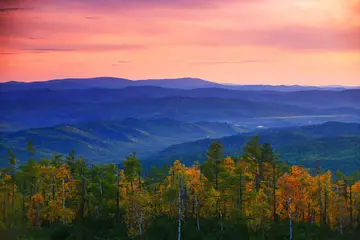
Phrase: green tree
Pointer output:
(132, 170)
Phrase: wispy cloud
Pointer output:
(7, 53)
(120, 62)
(129, 4)
(12, 9)
(85, 48)
(39, 50)
(230, 62)
(92, 17)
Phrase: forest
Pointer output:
(253, 196)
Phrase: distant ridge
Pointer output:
(111, 140)
(336, 144)
(106, 82)
(180, 83)
(305, 98)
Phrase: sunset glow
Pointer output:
(307, 42)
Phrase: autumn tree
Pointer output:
(212, 168)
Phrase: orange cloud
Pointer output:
(262, 41)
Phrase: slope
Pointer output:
(111, 141)
(336, 144)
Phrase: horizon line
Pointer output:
(178, 78)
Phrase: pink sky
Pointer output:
(307, 42)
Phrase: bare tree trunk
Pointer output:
(140, 226)
(197, 213)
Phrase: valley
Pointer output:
(106, 141)
(105, 119)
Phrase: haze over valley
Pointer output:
(105, 118)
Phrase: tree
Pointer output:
(253, 154)
(213, 166)
(12, 162)
(197, 189)
(81, 170)
(248, 195)
(293, 193)
(31, 149)
(132, 170)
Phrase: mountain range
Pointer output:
(45, 107)
(114, 83)
(107, 118)
(308, 98)
(54, 112)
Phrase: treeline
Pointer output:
(255, 196)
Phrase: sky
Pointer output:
(306, 42)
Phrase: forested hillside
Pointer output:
(253, 196)
(336, 144)
(106, 141)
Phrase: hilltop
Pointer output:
(335, 144)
